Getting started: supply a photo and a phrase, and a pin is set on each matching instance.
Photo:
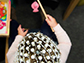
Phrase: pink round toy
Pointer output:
(35, 6)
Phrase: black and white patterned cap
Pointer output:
(37, 48)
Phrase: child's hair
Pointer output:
(37, 48)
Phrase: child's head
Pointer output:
(37, 48)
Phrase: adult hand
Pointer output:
(21, 31)
(51, 21)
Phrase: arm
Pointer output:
(63, 39)
(64, 43)
(12, 50)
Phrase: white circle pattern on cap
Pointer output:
(27, 42)
(33, 43)
(32, 50)
(40, 57)
(33, 57)
(37, 48)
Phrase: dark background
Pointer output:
(74, 25)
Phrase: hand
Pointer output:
(10, 19)
(51, 21)
(21, 31)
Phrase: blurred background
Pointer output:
(69, 13)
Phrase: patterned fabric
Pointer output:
(37, 48)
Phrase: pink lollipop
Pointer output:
(35, 6)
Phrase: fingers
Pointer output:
(25, 32)
(10, 19)
(47, 20)
(50, 17)
(19, 28)
(23, 29)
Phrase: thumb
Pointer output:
(49, 17)
(25, 32)
(47, 20)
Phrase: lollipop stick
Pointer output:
(44, 12)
